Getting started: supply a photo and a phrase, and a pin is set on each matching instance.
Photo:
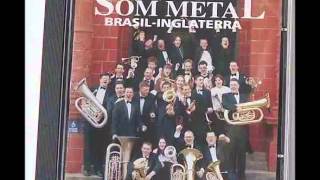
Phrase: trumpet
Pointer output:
(92, 110)
(132, 61)
(250, 112)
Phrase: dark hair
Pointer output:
(147, 143)
(143, 84)
(119, 64)
(152, 59)
(233, 62)
(211, 132)
(203, 63)
(129, 87)
(197, 76)
(217, 76)
(105, 74)
(119, 81)
(166, 82)
(234, 79)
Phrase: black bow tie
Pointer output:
(212, 146)
(128, 102)
(235, 74)
(235, 93)
(142, 97)
(188, 146)
(102, 88)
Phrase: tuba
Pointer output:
(250, 112)
(117, 160)
(191, 156)
(214, 171)
(140, 168)
(91, 109)
(170, 97)
(177, 172)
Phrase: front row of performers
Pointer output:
(136, 107)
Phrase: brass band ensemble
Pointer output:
(169, 114)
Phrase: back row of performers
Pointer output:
(136, 107)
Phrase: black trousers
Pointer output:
(96, 141)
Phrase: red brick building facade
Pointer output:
(96, 49)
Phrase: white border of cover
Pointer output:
(289, 140)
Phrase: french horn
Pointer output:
(250, 112)
(213, 171)
(90, 107)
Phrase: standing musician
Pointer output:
(214, 151)
(204, 53)
(179, 83)
(199, 124)
(146, 103)
(96, 139)
(117, 77)
(223, 56)
(153, 164)
(162, 53)
(177, 53)
(164, 172)
(134, 81)
(203, 71)
(126, 119)
(238, 135)
(165, 74)
(245, 83)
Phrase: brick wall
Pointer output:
(96, 49)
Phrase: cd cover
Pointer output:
(168, 90)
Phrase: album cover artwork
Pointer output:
(174, 90)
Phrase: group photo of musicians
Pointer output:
(174, 96)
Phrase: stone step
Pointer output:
(257, 165)
(260, 175)
(79, 176)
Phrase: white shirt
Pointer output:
(237, 98)
(165, 56)
(142, 100)
(236, 76)
(213, 153)
(208, 59)
(100, 94)
(216, 96)
(129, 109)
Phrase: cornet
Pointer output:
(92, 110)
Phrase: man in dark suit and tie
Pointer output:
(117, 77)
(214, 151)
(134, 81)
(238, 134)
(245, 87)
(177, 54)
(146, 103)
(153, 162)
(95, 139)
(199, 123)
(126, 119)
(162, 54)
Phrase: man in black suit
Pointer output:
(223, 56)
(126, 119)
(177, 53)
(95, 139)
(214, 151)
(204, 53)
(112, 100)
(133, 81)
(238, 135)
(199, 124)
(153, 162)
(162, 54)
(146, 103)
(244, 82)
(184, 140)
(117, 77)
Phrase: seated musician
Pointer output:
(214, 151)
(153, 164)
(164, 172)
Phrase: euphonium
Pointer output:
(171, 154)
(140, 168)
(92, 110)
(113, 162)
(177, 172)
(214, 171)
(114, 159)
(191, 156)
(247, 114)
